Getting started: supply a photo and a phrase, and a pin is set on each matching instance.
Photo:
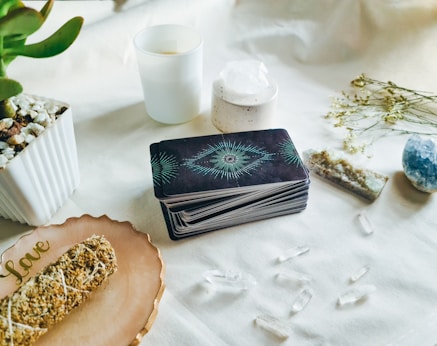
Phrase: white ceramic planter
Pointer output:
(38, 181)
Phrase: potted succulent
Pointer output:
(38, 158)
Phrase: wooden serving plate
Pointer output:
(120, 312)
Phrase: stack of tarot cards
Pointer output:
(212, 182)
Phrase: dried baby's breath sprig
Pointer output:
(374, 109)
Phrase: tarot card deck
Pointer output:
(212, 182)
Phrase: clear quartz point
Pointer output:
(355, 294)
(293, 252)
(273, 325)
(302, 300)
(229, 278)
(365, 223)
(359, 273)
(293, 279)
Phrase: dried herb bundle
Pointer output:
(55, 291)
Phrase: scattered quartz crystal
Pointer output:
(33, 115)
(293, 279)
(419, 161)
(365, 223)
(355, 295)
(302, 300)
(333, 167)
(273, 325)
(293, 252)
(229, 279)
(359, 273)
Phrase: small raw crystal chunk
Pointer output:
(55, 291)
(293, 279)
(302, 300)
(293, 252)
(355, 294)
(359, 273)
(419, 161)
(273, 325)
(365, 223)
(229, 279)
(333, 167)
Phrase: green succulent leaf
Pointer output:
(7, 5)
(53, 45)
(21, 21)
(45, 11)
(9, 88)
(17, 22)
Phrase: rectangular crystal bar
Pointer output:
(363, 182)
(55, 291)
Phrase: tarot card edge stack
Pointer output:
(212, 182)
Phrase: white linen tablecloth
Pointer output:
(312, 49)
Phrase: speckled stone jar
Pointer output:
(243, 111)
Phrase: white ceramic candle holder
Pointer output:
(170, 63)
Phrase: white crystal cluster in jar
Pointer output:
(244, 97)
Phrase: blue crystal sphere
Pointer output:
(419, 160)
